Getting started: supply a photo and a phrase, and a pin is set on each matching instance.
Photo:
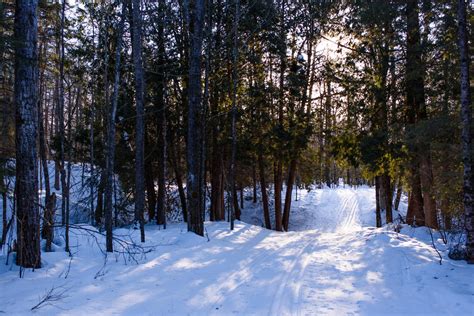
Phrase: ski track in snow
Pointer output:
(332, 262)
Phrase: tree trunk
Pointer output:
(179, 181)
(161, 201)
(429, 203)
(150, 187)
(289, 189)
(161, 121)
(110, 144)
(415, 102)
(378, 216)
(236, 210)
(48, 218)
(99, 210)
(399, 194)
(194, 137)
(241, 198)
(415, 202)
(254, 182)
(136, 26)
(263, 188)
(388, 199)
(4, 210)
(277, 175)
(4, 218)
(216, 183)
(62, 132)
(26, 103)
(466, 137)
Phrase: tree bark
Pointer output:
(99, 210)
(136, 26)
(388, 199)
(466, 136)
(415, 213)
(415, 100)
(289, 191)
(177, 171)
(110, 144)
(254, 182)
(26, 102)
(161, 121)
(378, 216)
(277, 174)
(429, 203)
(263, 188)
(399, 195)
(194, 137)
(150, 186)
(50, 200)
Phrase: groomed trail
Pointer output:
(332, 262)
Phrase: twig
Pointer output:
(54, 294)
(434, 246)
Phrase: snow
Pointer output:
(332, 262)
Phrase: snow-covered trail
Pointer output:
(329, 210)
(333, 263)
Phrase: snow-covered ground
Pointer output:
(333, 262)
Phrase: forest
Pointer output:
(238, 154)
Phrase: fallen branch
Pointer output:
(54, 294)
(434, 246)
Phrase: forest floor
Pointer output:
(333, 262)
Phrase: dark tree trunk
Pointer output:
(150, 186)
(236, 210)
(26, 103)
(161, 201)
(4, 216)
(415, 100)
(263, 188)
(254, 182)
(179, 180)
(466, 116)
(161, 121)
(388, 198)
(289, 190)
(277, 187)
(216, 184)
(378, 216)
(136, 26)
(399, 195)
(241, 198)
(62, 131)
(91, 160)
(50, 200)
(415, 213)
(426, 177)
(194, 130)
(110, 144)
(99, 210)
